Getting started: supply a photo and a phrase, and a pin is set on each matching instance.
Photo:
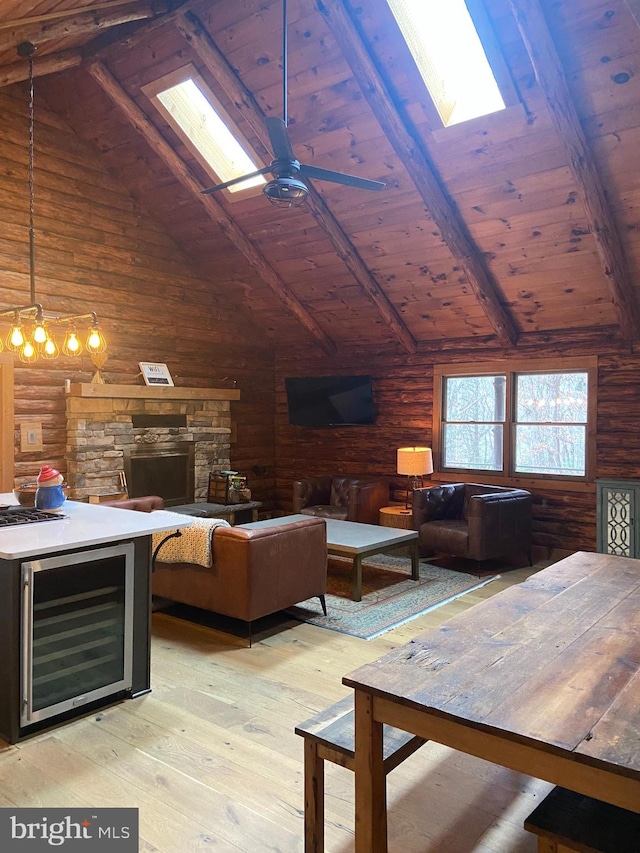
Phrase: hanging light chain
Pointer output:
(32, 232)
(43, 342)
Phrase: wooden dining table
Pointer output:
(542, 678)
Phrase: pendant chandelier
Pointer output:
(32, 331)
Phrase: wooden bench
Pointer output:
(565, 821)
(329, 736)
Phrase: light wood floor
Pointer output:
(211, 760)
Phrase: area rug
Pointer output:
(389, 596)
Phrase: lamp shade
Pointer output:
(414, 461)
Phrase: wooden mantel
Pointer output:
(138, 392)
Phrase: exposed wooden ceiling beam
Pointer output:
(200, 40)
(448, 221)
(196, 35)
(139, 31)
(18, 71)
(88, 21)
(214, 208)
(62, 13)
(550, 75)
(634, 8)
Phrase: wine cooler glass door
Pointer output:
(77, 623)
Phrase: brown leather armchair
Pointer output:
(341, 498)
(473, 521)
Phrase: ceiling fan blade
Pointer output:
(236, 181)
(339, 178)
(279, 136)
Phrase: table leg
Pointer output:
(356, 578)
(313, 798)
(415, 561)
(370, 785)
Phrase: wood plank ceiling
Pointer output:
(519, 222)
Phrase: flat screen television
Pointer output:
(323, 401)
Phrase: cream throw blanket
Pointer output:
(194, 546)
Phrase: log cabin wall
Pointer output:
(511, 234)
(98, 249)
(563, 519)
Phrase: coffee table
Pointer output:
(234, 513)
(358, 541)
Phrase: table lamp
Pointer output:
(414, 462)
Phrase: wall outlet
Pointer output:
(31, 437)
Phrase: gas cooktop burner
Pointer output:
(11, 515)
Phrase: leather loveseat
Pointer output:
(472, 520)
(148, 503)
(342, 498)
(255, 572)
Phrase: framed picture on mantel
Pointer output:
(155, 373)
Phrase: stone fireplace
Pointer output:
(164, 441)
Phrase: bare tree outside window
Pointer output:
(551, 423)
(542, 416)
(473, 423)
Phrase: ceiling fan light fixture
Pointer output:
(285, 192)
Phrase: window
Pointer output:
(452, 59)
(201, 122)
(531, 421)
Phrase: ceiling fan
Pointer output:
(287, 189)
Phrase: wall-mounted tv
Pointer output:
(322, 401)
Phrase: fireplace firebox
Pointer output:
(166, 470)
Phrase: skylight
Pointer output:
(444, 42)
(207, 129)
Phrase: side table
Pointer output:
(233, 513)
(398, 517)
(395, 516)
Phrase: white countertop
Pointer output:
(83, 525)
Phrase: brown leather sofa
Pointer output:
(472, 520)
(255, 572)
(146, 504)
(341, 498)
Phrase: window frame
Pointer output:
(174, 78)
(588, 365)
(497, 63)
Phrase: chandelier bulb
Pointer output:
(28, 353)
(39, 333)
(72, 345)
(50, 348)
(95, 341)
(15, 339)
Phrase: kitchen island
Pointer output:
(75, 606)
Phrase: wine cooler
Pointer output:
(77, 626)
